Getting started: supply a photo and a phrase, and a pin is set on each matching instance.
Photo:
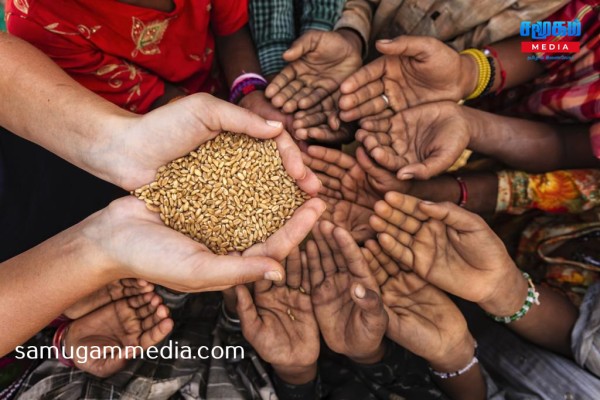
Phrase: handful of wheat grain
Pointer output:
(231, 193)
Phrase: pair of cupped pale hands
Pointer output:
(353, 295)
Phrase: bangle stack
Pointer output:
(487, 72)
(462, 371)
(58, 342)
(464, 192)
(246, 84)
(531, 299)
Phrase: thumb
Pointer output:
(219, 115)
(246, 309)
(220, 272)
(367, 300)
(406, 46)
(304, 44)
(453, 216)
(433, 165)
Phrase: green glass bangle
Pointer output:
(531, 299)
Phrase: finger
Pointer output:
(407, 205)
(399, 252)
(335, 160)
(351, 253)
(328, 167)
(161, 312)
(370, 168)
(387, 157)
(369, 302)
(265, 285)
(380, 225)
(376, 125)
(324, 134)
(395, 218)
(362, 95)
(246, 310)
(453, 216)
(385, 114)
(293, 269)
(326, 254)
(371, 107)
(330, 183)
(372, 140)
(157, 333)
(306, 120)
(313, 262)
(305, 284)
(286, 93)
(407, 46)
(291, 105)
(305, 44)
(141, 300)
(376, 269)
(146, 310)
(279, 245)
(291, 157)
(313, 98)
(367, 74)
(435, 163)
(327, 228)
(390, 267)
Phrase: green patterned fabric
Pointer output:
(2, 23)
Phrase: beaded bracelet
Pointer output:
(485, 71)
(490, 84)
(246, 84)
(487, 50)
(58, 342)
(462, 371)
(531, 299)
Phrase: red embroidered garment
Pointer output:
(125, 53)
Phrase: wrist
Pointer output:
(457, 358)
(509, 294)
(372, 358)
(296, 375)
(248, 100)
(353, 38)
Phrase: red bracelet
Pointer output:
(58, 344)
(464, 192)
(494, 54)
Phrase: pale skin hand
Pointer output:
(112, 292)
(345, 295)
(135, 321)
(419, 142)
(319, 62)
(445, 245)
(413, 70)
(290, 345)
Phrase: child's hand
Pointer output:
(423, 320)
(279, 323)
(349, 216)
(380, 179)
(444, 244)
(341, 176)
(345, 295)
(318, 63)
(419, 142)
(138, 321)
(260, 105)
(414, 70)
(321, 123)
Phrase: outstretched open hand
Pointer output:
(345, 295)
(419, 142)
(138, 321)
(413, 70)
(443, 244)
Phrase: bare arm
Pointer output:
(237, 55)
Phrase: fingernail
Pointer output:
(360, 291)
(273, 276)
(385, 41)
(429, 203)
(275, 124)
(407, 176)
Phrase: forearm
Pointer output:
(237, 55)
(38, 285)
(43, 104)
(528, 145)
(172, 92)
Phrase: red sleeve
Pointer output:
(111, 77)
(228, 16)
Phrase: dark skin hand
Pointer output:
(278, 321)
(350, 216)
(135, 321)
(345, 295)
(322, 124)
(413, 70)
(318, 63)
(110, 293)
(419, 142)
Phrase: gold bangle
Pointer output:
(484, 68)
